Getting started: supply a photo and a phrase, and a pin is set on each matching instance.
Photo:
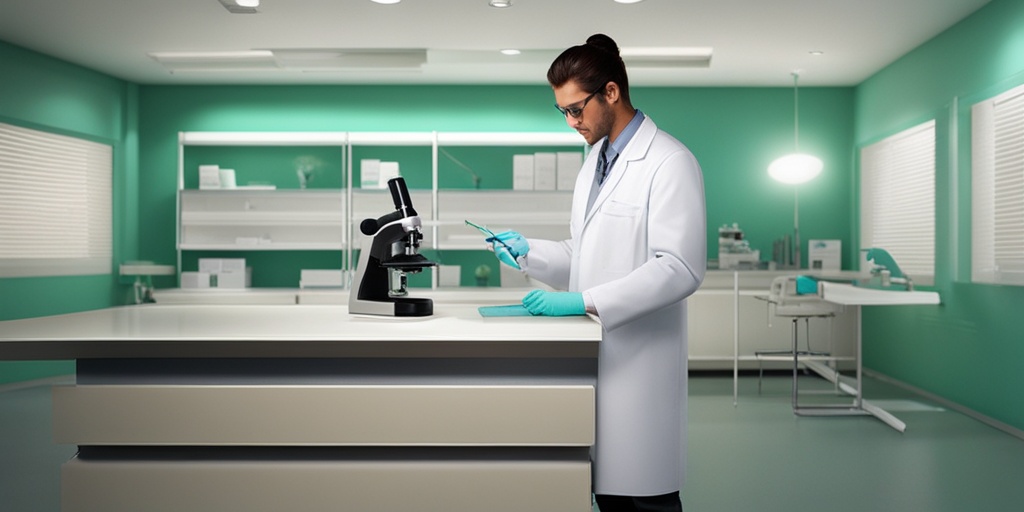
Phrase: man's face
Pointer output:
(595, 115)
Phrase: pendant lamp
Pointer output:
(794, 169)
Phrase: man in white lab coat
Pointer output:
(637, 251)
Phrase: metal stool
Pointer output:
(787, 303)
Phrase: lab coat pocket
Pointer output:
(619, 209)
(619, 227)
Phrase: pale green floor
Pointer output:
(755, 456)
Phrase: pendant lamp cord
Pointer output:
(796, 111)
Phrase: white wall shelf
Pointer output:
(284, 220)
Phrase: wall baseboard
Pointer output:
(992, 422)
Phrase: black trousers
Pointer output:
(661, 503)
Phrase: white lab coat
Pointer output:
(639, 253)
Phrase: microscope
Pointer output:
(379, 287)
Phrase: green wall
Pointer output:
(735, 133)
(47, 94)
(969, 349)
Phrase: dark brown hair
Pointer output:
(591, 66)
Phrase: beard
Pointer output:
(601, 126)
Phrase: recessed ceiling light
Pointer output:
(628, 1)
(501, 4)
(816, 52)
(248, 3)
(386, 2)
(510, 51)
(667, 57)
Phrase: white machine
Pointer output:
(734, 251)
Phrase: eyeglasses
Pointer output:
(576, 112)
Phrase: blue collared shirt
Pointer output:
(611, 152)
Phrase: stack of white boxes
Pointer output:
(219, 273)
(374, 173)
(546, 171)
(213, 177)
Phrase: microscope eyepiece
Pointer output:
(400, 195)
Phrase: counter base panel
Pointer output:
(282, 415)
(319, 485)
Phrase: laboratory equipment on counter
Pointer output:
(885, 273)
(392, 251)
(734, 251)
(826, 255)
(143, 272)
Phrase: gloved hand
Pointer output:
(541, 302)
(508, 246)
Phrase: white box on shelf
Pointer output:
(195, 280)
(219, 265)
(824, 254)
(209, 265)
(388, 170)
(209, 177)
(522, 172)
(227, 178)
(369, 173)
(449, 275)
(313, 278)
(567, 167)
(545, 171)
(232, 265)
(235, 279)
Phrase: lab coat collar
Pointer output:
(636, 149)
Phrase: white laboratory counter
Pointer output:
(727, 324)
(264, 407)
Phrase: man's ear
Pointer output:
(612, 94)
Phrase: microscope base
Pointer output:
(394, 306)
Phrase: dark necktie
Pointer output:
(602, 164)
(600, 173)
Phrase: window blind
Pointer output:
(55, 204)
(997, 189)
(897, 207)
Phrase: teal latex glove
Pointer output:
(508, 246)
(540, 302)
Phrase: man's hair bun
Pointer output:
(604, 42)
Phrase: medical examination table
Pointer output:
(832, 295)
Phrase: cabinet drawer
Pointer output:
(316, 486)
(342, 415)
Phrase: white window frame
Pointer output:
(897, 200)
(56, 204)
(997, 189)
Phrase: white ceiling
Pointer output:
(755, 42)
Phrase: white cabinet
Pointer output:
(727, 319)
(328, 219)
(262, 220)
(535, 214)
